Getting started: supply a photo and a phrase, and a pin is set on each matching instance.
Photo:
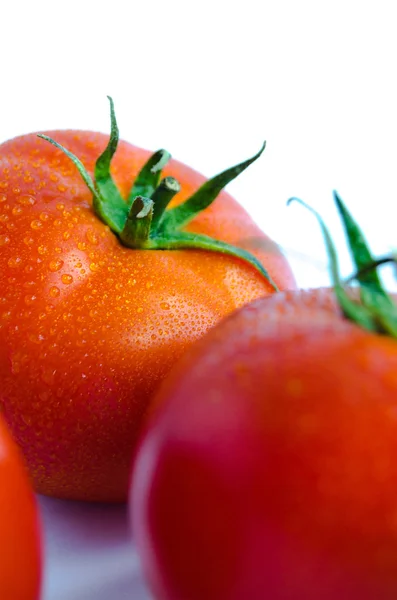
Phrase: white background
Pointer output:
(209, 81)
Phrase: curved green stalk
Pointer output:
(377, 311)
(143, 220)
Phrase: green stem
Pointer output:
(143, 220)
(377, 311)
(137, 226)
(161, 197)
(370, 267)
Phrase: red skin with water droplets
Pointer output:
(268, 466)
(88, 328)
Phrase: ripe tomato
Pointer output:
(268, 468)
(20, 547)
(88, 326)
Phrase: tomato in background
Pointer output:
(268, 465)
(20, 537)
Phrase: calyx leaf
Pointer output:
(154, 226)
(377, 311)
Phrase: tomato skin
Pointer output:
(268, 467)
(20, 538)
(88, 328)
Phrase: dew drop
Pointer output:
(35, 224)
(44, 216)
(16, 210)
(16, 190)
(14, 262)
(55, 265)
(29, 300)
(91, 237)
(4, 240)
(28, 240)
(3, 198)
(82, 246)
(54, 291)
(165, 305)
(139, 309)
(26, 200)
(42, 250)
(66, 235)
(27, 419)
(60, 207)
(66, 279)
(93, 267)
(57, 222)
(3, 218)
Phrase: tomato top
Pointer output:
(88, 326)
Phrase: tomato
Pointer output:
(268, 464)
(20, 546)
(269, 467)
(89, 326)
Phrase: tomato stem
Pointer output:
(161, 197)
(136, 229)
(359, 275)
(143, 220)
(376, 311)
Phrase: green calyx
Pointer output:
(376, 311)
(144, 221)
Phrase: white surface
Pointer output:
(209, 81)
(89, 553)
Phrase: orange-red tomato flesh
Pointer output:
(20, 538)
(89, 328)
(268, 468)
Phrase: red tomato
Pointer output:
(89, 327)
(20, 547)
(268, 468)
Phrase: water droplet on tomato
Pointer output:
(55, 265)
(93, 267)
(14, 262)
(44, 217)
(91, 237)
(26, 200)
(165, 305)
(16, 210)
(42, 250)
(4, 240)
(66, 279)
(29, 300)
(54, 291)
(35, 224)
(66, 235)
(26, 419)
